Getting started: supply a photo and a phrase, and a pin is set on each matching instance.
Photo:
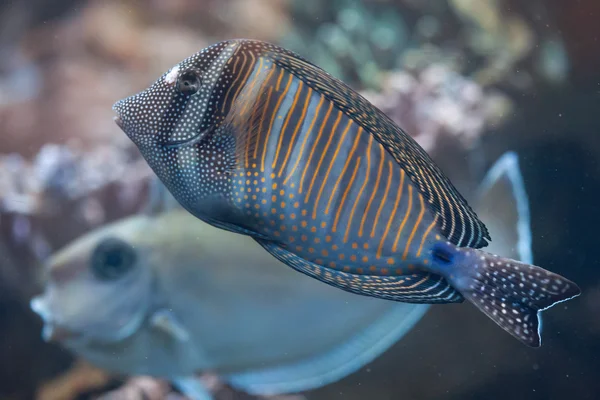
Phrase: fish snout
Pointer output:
(119, 109)
(52, 331)
(39, 306)
(118, 121)
(132, 118)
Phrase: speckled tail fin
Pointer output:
(511, 293)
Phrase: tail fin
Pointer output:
(510, 292)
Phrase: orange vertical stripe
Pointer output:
(262, 119)
(265, 108)
(275, 112)
(281, 71)
(429, 228)
(348, 159)
(237, 77)
(346, 194)
(383, 199)
(254, 104)
(237, 92)
(393, 213)
(316, 172)
(406, 215)
(414, 229)
(298, 125)
(251, 87)
(331, 163)
(313, 148)
(306, 135)
(285, 123)
(377, 179)
(364, 185)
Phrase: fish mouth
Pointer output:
(52, 331)
(58, 328)
(118, 109)
(118, 121)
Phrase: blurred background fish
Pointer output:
(163, 294)
(469, 80)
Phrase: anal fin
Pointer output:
(418, 288)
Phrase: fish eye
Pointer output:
(189, 83)
(112, 259)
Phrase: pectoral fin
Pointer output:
(167, 322)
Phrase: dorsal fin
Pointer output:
(457, 221)
(501, 199)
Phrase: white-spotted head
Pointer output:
(184, 104)
(182, 124)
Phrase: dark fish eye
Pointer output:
(189, 83)
(112, 259)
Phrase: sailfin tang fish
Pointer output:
(255, 139)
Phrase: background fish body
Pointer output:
(240, 308)
(244, 310)
(202, 298)
(256, 140)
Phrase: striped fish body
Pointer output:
(310, 177)
(254, 139)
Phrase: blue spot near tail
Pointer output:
(443, 254)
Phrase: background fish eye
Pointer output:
(189, 82)
(112, 259)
